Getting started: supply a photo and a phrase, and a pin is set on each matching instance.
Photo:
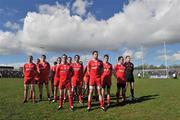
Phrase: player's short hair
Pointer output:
(76, 56)
(44, 56)
(38, 59)
(128, 56)
(59, 58)
(81, 62)
(64, 55)
(55, 62)
(95, 51)
(30, 56)
(70, 57)
(120, 57)
(106, 55)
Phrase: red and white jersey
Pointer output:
(52, 68)
(77, 70)
(107, 69)
(37, 73)
(44, 69)
(30, 70)
(119, 71)
(95, 68)
(64, 72)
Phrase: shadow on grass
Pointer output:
(136, 100)
(95, 104)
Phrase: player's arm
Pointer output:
(88, 68)
(111, 70)
(132, 67)
(114, 71)
(82, 71)
(71, 71)
(38, 70)
(24, 69)
(35, 69)
(57, 75)
(101, 68)
(48, 67)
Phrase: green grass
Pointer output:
(158, 99)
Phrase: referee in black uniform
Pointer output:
(129, 68)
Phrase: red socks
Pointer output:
(55, 97)
(61, 101)
(89, 103)
(101, 103)
(108, 99)
(48, 95)
(70, 101)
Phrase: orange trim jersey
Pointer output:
(107, 70)
(119, 70)
(77, 70)
(64, 72)
(95, 68)
(44, 69)
(30, 71)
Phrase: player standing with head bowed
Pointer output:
(119, 73)
(56, 79)
(29, 71)
(106, 78)
(77, 78)
(44, 69)
(64, 72)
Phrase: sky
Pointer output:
(137, 28)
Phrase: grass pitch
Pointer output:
(157, 99)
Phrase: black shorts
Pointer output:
(106, 86)
(121, 85)
(129, 77)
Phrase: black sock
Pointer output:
(132, 92)
(40, 96)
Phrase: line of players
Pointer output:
(69, 77)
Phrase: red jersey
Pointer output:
(119, 70)
(64, 72)
(95, 68)
(30, 71)
(77, 70)
(85, 72)
(55, 72)
(44, 69)
(107, 70)
(52, 68)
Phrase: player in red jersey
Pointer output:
(106, 78)
(51, 77)
(76, 80)
(64, 72)
(56, 79)
(29, 71)
(86, 82)
(44, 69)
(95, 69)
(119, 72)
(36, 76)
(69, 61)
